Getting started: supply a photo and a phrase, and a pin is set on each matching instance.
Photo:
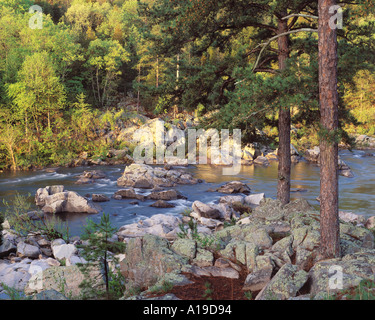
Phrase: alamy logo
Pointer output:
(36, 21)
(158, 146)
(336, 21)
(335, 274)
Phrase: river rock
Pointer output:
(99, 198)
(165, 195)
(68, 201)
(313, 155)
(63, 251)
(262, 161)
(232, 199)
(365, 141)
(234, 187)
(15, 275)
(352, 217)
(254, 199)
(90, 177)
(28, 250)
(7, 247)
(43, 193)
(128, 193)
(147, 177)
(247, 156)
(162, 204)
(162, 225)
(370, 223)
(205, 210)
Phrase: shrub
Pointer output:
(99, 251)
(23, 221)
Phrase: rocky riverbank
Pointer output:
(122, 133)
(269, 249)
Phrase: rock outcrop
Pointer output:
(147, 177)
(55, 199)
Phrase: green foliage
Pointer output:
(248, 295)
(99, 253)
(24, 221)
(364, 291)
(192, 56)
(13, 293)
(165, 287)
(208, 291)
(104, 60)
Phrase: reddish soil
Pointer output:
(214, 288)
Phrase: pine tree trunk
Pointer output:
(328, 96)
(157, 72)
(283, 187)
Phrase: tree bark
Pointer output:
(328, 96)
(283, 187)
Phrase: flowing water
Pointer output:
(356, 194)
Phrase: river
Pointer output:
(356, 194)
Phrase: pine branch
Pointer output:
(267, 43)
(300, 15)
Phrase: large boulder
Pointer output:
(261, 274)
(205, 210)
(285, 284)
(149, 259)
(234, 187)
(63, 251)
(15, 275)
(6, 248)
(69, 278)
(331, 276)
(53, 201)
(43, 193)
(147, 177)
(162, 225)
(28, 250)
(254, 199)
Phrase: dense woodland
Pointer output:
(62, 84)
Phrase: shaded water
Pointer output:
(356, 194)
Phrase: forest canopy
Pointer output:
(60, 84)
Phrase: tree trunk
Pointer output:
(283, 187)
(138, 92)
(175, 108)
(157, 72)
(328, 96)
